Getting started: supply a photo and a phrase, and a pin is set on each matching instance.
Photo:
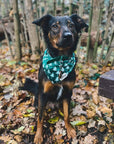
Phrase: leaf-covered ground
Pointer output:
(91, 115)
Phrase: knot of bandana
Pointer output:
(57, 68)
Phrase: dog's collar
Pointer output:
(57, 68)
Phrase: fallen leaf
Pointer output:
(12, 142)
(82, 130)
(21, 129)
(101, 122)
(90, 114)
(59, 138)
(32, 128)
(29, 115)
(94, 66)
(75, 141)
(107, 111)
(59, 131)
(53, 120)
(102, 128)
(30, 109)
(18, 138)
(91, 123)
(77, 123)
(78, 110)
(17, 113)
(95, 98)
(11, 63)
(89, 139)
(1, 115)
(98, 112)
(5, 138)
(60, 112)
(109, 119)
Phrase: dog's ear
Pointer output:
(43, 20)
(79, 23)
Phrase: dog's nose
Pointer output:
(67, 35)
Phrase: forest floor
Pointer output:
(91, 115)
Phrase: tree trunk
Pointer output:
(110, 46)
(54, 7)
(106, 29)
(8, 42)
(98, 31)
(95, 17)
(70, 7)
(6, 7)
(89, 50)
(31, 28)
(24, 24)
(37, 7)
(46, 8)
(63, 7)
(80, 14)
(17, 30)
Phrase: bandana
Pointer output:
(57, 68)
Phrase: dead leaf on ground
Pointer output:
(107, 111)
(89, 139)
(90, 114)
(82, 130)
(91, 123)
(95, 98)
(18, 138)
(78, 110)
(5, 138)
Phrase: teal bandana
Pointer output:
(57, 68)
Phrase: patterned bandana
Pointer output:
(57, 68)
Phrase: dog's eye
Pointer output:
(55, 26)
(71, 25)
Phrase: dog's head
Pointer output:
(61, 32)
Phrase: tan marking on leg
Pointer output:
(38, 139)
(38, 136)
(71, 133)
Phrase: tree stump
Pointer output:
(106, 85)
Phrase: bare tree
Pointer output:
(54, 7)
(8, 42)
(106, 29)
(18, 53)
(98, 31)
(89, 50)
(94, 22)
(31, 28)
(95, 16)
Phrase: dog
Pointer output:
(57, 70)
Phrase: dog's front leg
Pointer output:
(38, 137)
(71, 133)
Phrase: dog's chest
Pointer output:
(53, 91)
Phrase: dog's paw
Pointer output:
(71, 133)
(38, 139)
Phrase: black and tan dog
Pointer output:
(57, 70)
